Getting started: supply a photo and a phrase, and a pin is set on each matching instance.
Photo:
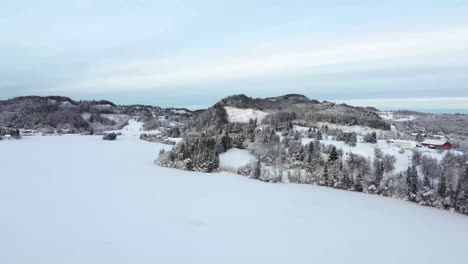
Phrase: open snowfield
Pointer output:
(244, 115)
(78, 199)
(403, 160)
(235, 158)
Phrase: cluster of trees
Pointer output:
(14, 133)
(109, 136)
(371, 137)
(349, 138)
(429, 182)
(54, 113)
(194, 154)
(340, 114)
(282, 156)
(441, 184)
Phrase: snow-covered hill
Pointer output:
(75, 199)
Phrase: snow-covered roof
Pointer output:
(435, 142)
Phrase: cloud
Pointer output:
(306, 56)
(433, 104)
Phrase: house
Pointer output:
(437, 144)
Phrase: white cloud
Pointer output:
(329, 55)
(435, 103)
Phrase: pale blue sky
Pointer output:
(192, 53)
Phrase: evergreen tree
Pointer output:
(317, 146)
(333, 155)
(374, 137)
(412, 183)
(353, 139)
(427, 182)
(347, 183)
(442, 191)
(296, 135)
(419, 137)
(325, 175)
(416, 158)
(358, 183)
(310, 148)
(301, 154)
(319, 135)
(379, 173)
(463, 196)
(257, 170)
(450, 191)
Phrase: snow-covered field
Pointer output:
(134, 128)
(235, 158)
(403, 160)
(389, 116)
(244, 115)
(78, 199)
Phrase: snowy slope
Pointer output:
(134, 128)
(244, 115)
(235, 158)
(403, 160)
(79, 199)
(389, 116)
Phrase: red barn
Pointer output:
(437, 144)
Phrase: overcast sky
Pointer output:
(389, 54)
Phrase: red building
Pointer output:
(437, 144)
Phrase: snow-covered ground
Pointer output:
(134, 128)
(244, 115)
(403, 160)
(360, 130)
(79, 199)
(235, 158)
(390, 116)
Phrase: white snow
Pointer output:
(235, 158)
(118, 118)
(403, 160)
(301, 128)
(176, 140)
(244, 115)
(360, 130)
(390, 116)
(80, 199)
(180, 111)
(435, 142)
(134, 128)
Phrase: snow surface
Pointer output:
(360, 130)
(79, 199)
(235, 158)
(134, 128)
(244, 115)
(389, 116)
(403, 160)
